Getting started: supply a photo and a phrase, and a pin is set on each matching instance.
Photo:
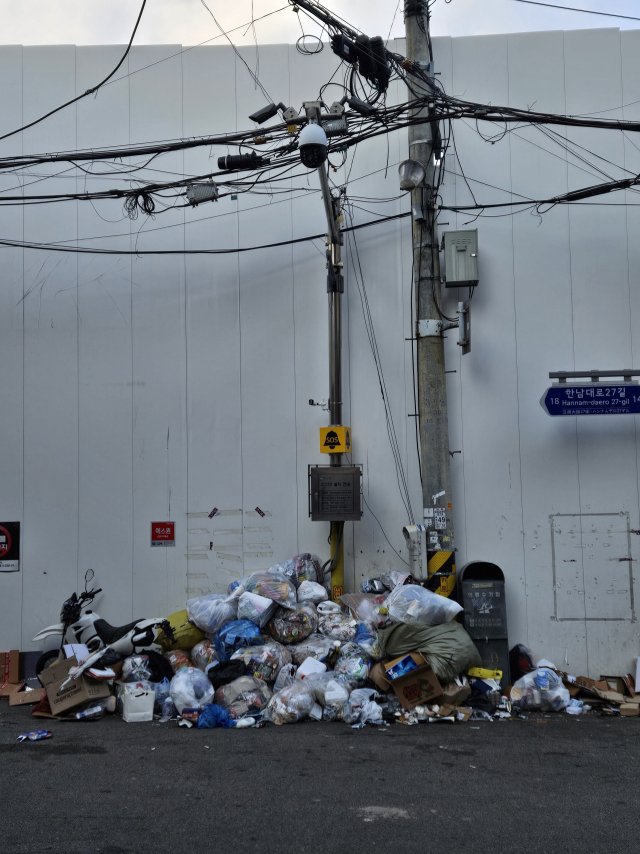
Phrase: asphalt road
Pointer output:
(550, 784)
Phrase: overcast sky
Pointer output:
(187, 22)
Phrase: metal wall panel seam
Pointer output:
(518, 405)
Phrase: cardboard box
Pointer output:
(26, 698)
(9, 673)
(76, 693)
(378, 677)
(418, 687)
(630, 710)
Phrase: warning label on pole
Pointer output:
(9, 546)
(441, 569)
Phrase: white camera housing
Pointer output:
(313, 145)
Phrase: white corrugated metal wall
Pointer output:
(138, 389)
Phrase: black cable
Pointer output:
(383, 531)
(369, 327)
(573, 9)
(89, 91)
(333, 561)
(83, 250)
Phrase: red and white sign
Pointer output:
(163, 533)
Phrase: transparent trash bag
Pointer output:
(302, 567)
(210, 613)
(292, 704)
(204, 656)
(353, 664)
(244, 696)
(270, 585)
(317, 646)
(540, 690)
(292, 626)
(286, 677)
(178, 659)
(368, 608)
(264, 661)
(338, 627)
(256, 608)
(190, 689)
(411, 600)
(352, 711)
(367, 639)
(331, 692)
(135, 668)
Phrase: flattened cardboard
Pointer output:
(26, 698)
(76, 693)
(418, 687)
(454, 694)
(9, 690)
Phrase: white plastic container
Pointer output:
(138, 707)
(310, 665)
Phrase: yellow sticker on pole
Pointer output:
(441, 569)
(335, 440)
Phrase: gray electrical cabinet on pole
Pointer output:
(432, 391)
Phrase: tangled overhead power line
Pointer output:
(369, 68)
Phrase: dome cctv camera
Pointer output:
(313, 146)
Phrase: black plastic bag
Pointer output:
(521, 662)
(226, 673)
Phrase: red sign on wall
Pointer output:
(163, 533)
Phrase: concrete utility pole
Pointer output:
(432, 392)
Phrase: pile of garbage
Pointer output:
(275, 649)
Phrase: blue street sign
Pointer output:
(592, 399)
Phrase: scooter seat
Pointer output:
(110, 634)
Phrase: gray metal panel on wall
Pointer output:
(104, 350)
(214, 413)
(11, 344)
(50, 547)
(159, 353)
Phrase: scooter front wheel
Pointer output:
(46, 660)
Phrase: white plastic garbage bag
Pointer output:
(210, 613)
(411, 600)
(311, 591)
(191, 689)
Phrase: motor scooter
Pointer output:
(81, 626)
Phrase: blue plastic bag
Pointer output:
(235, 635)
(213, 715)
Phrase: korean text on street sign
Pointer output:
(592, 399)
(163, 533)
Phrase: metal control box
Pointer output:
(334, 493)
(461, 258)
